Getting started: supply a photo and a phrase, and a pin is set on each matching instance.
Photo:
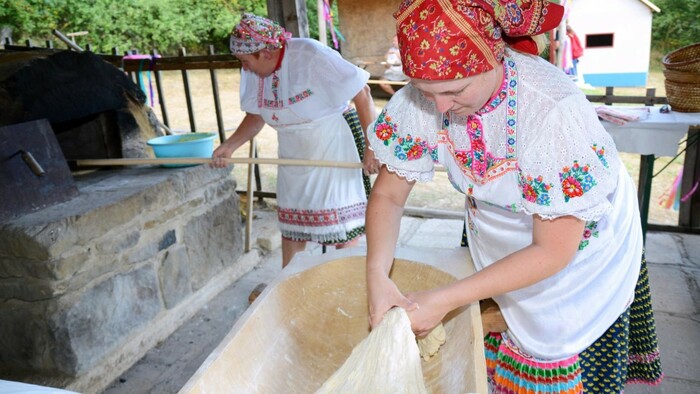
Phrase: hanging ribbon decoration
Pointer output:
(691, 192)
(328, 17)
(142, 59)
(671, 198)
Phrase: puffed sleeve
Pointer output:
(404, 135)
(568, 163)
(337, 79)
(249, 92)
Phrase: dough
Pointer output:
(430, 344)
(386, 362)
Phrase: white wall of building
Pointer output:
(629, 21)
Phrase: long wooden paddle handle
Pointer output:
(205, 160)
(233, 160)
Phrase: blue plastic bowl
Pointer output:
(183, 145)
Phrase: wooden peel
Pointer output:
(491, 317)
(207, 160)
(233, 160)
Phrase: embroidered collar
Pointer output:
(498, 97)
(279, 61)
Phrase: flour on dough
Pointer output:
(386, 362)
(430, 344)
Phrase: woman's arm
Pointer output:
(554, 244)
(383, 221)
(366, 112)
(249, 128)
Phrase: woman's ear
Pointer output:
(266, 54)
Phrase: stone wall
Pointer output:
(88, 286)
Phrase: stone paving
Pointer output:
(674, 267)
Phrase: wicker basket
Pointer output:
(683, 97)
(682, 73)
(686, 58)
(682, 76)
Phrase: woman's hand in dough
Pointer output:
(429, 313)
(384, 295)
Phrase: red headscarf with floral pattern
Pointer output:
(452, 39)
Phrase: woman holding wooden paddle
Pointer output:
(302, 89)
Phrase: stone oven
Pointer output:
(112, 261)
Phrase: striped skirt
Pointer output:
(627, 353)
(357, 133)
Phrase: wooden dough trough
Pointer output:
(304, 325)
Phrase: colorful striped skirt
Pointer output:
(627, 353)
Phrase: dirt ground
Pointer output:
(438, 194)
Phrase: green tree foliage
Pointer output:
(194, 24)
(676, 25)
(139, 25)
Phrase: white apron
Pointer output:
(320, 204)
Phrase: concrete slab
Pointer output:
(668, 386)
(670, 290)
(690, 249)
(679, 345)
(409, 227)
(662, 248)
(438, 233)
(267, 232)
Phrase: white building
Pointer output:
(616, 36)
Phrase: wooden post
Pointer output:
(217, 100)
(689, 212)
(646, 171)
(249, 200)
(650, 97)
(72, 45)
(609, 95)
(552, 47)
(258, 182)
(322, 35)
(188, 96)
(161, 97)
(290, 14)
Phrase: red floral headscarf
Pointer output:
(451, 39)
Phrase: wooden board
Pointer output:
(307, 321)
(22, 190)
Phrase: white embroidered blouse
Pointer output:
(537, 148)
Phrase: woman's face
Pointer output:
(462, 96)
(260, 63)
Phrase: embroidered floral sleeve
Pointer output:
(404, 135)
(567, 163)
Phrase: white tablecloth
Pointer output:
(658, 134)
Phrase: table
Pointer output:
(657, 135)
